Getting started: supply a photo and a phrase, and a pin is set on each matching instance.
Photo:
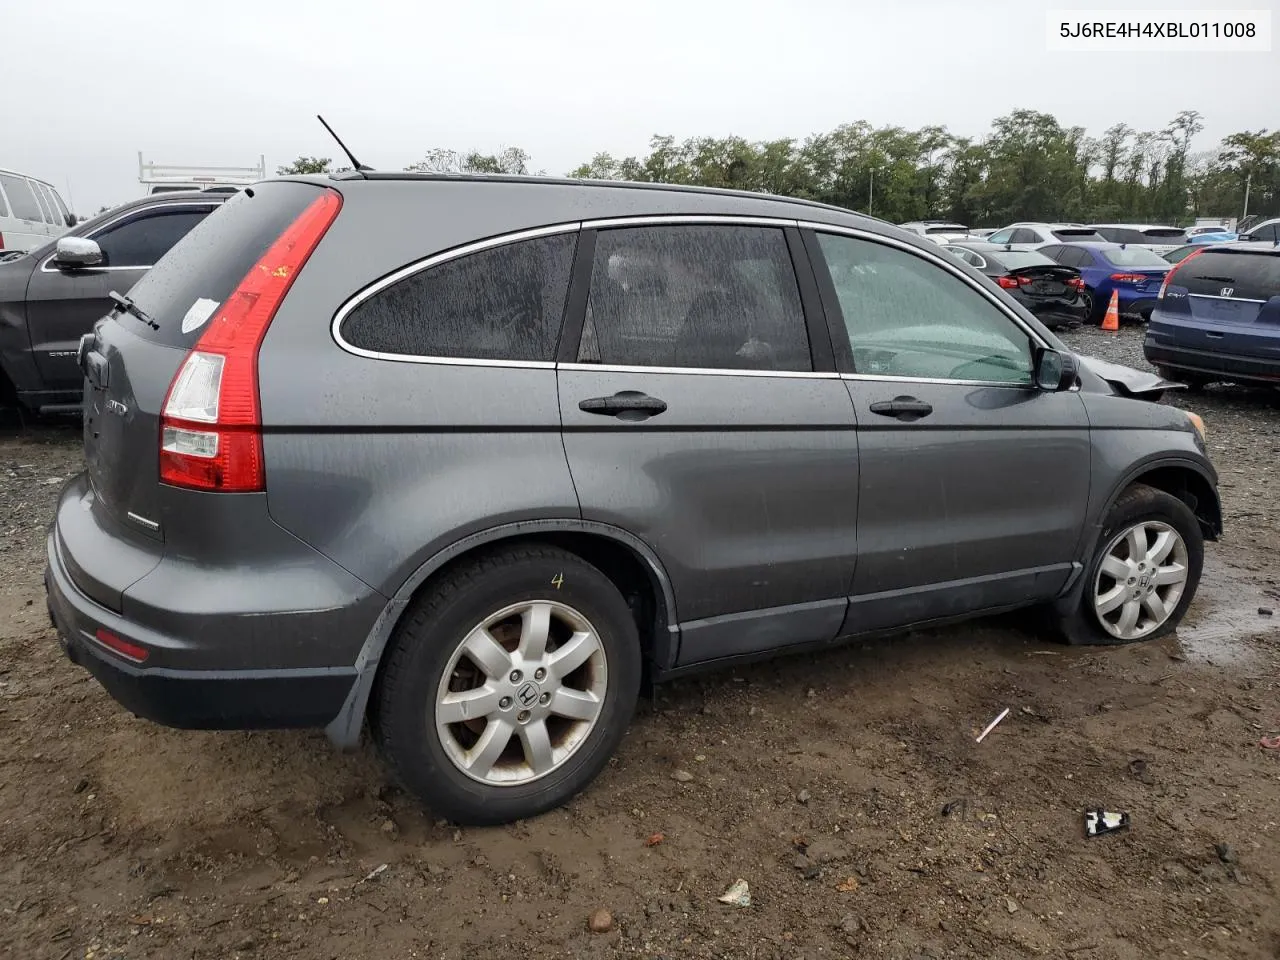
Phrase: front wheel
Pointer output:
(508, 685)
(1143, 574)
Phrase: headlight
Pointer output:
(1197, 422)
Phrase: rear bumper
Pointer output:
(229, 645)
(1219, 366)
(1139, 305)
(190, 699)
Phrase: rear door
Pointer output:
(63, 301)
(699, 416)
(973, 484)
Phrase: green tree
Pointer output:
(305, 165)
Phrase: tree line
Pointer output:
(1028, 167)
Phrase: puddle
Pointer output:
(1224, 617)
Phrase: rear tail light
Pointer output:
(130, 651)
(1168, 277)
(211, 427)
(1008, 283)
(1, 241)
(1076, 283)
(1129, 277)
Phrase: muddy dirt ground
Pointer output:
(822, 781)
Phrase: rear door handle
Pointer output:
(625, 405)
(902, 408)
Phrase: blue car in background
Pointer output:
(1217, 317)
(1135, 273)
(1203, 238)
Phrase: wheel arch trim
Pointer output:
(344, 729)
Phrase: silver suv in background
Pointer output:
(1159, 239)
(466, 457)
(1029, 236)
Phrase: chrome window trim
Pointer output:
(97, 231)
(576, 226)
(938, 259)
(1029, 385)
(702, 371)
(1211, 296)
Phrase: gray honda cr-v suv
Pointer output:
(468, 456)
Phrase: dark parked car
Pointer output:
(1218, 317)
(1054, 293)
(51, 296)
(1134, 273)
(469, 456)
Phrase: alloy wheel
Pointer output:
(1141, 579)
(521, 693)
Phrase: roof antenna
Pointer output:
(356, 164)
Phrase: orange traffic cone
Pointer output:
(1112, 320)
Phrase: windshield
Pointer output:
(1134, 257)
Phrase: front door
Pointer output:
(694, 418)
(974, 483)
(64, 302)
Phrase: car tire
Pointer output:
(1091, 315)
(1154, 513)
(457, 766)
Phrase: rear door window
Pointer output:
(1023, 235)
(142, 241)
(705, 297)
(46, 205)
(1077, 234)
(1232, 274)
(503, 303)
(21, 197)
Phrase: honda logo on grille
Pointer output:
(1226, 291)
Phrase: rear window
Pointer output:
(1015, 259)
(1070, 234)
(1166, 235)
(1252, 276)
(206, 265)
(21, 197)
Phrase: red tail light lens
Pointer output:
(1076, 283)
(1129, 277)
(1178, 266)
(211, 428)
(1008, 283)
(1, 241)
(130, 651)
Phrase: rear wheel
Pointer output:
(509, 685)
(1090, 307)
(1143, 574)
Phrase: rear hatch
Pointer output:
(1226, 300)
(133, 353)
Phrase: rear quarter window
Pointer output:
(206, 265)
(503, 303)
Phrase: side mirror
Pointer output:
(71, 220)
(77, 252)
(1054, 370)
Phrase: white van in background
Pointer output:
(31, 212)
(166, 178)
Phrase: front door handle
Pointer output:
(625, 405)
(903, 408)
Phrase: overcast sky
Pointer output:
(95, 81)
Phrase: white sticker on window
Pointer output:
(199, 314)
